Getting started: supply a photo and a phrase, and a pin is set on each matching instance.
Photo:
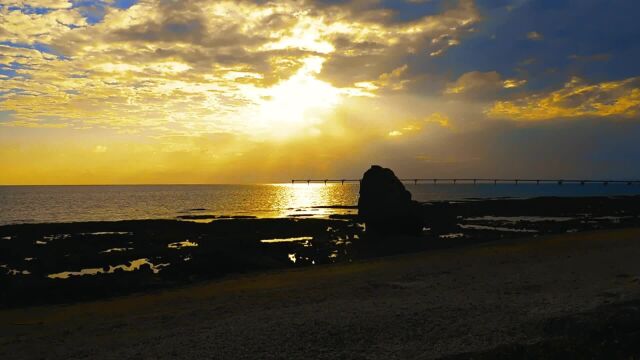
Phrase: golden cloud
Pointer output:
(47, 4)
(190, 67)
(481, 84)
(28, 28)
(439, 119)
(414, 127)
(575, 99)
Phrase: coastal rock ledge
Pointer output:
(385, 205)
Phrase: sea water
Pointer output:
(42, 204)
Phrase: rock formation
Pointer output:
(386, 206)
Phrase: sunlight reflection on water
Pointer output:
(182, 244)
(285, 240)
(311, 198)
(112, 250)
(134, 265)
(42, 204)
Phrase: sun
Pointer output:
(298, 103)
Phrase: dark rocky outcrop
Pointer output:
(386, 206)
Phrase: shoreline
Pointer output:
(480, 300)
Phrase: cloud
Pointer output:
(476, 84)
(200, 66)
(439, 119)
(513, 83)
(534, 36)
(29, 28)
(370, 45)
(577, 99)
(10, 55)
(46, 4)
(474, 81)
(394, 80)
(415, 127)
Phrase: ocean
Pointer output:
(44, 204)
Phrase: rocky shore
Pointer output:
(68, 262)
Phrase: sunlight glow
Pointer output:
(298, 103)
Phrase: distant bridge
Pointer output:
(480, 181)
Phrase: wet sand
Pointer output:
(480, 300)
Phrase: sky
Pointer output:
(201, 91)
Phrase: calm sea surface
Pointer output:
(37, 204)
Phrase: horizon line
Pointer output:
(150, 184)
(441, 181)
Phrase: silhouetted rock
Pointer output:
(386, 206)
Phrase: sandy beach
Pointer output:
(508, 295)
